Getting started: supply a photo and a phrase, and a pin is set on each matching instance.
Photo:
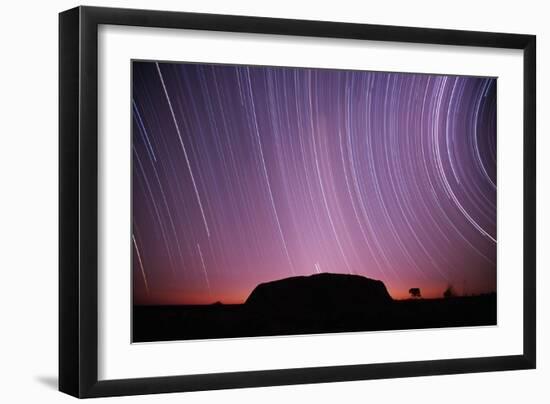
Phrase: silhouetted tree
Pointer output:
(449, 292)
(415, 292)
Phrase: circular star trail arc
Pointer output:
(243, 175)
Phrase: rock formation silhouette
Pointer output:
(320, 292)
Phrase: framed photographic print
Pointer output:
(251, 201)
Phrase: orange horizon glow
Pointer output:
(434, 291)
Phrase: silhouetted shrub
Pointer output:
(415, 292)
(449, 292)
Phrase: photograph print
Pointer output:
(273, 201)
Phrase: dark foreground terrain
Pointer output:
(325, 303)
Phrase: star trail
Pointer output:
(247, 174)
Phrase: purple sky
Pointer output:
(243, 175)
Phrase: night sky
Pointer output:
(243, 175)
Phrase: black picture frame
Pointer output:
(78, 201)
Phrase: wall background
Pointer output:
(28, 202)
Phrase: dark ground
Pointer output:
(165, 323)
